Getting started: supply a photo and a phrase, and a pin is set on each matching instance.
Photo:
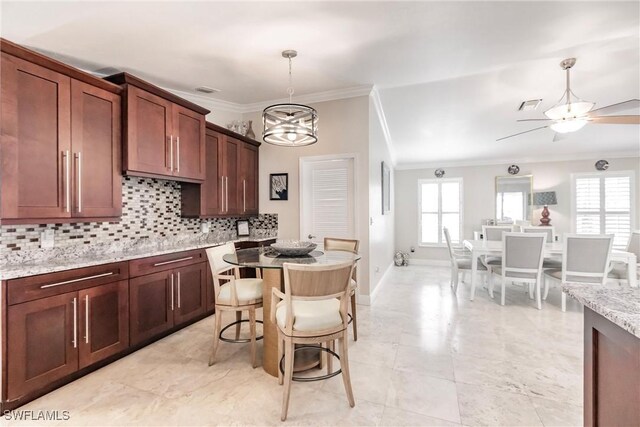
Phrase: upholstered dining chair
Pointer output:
(460, 262)
(236, 295)
(494, 233)
(347, 245)
(618, 269)
(522, 256)
(585, 259)
(551, 237)
(312, 312)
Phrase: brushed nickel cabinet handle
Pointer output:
(51, 285)
(171, 152)
(157, 264)
(86, 319)
(67, 181)
(178, 154)
(244, 195)
(75, 322)
(79, 180)
(226, 191)
(222, 194)
(178, 274)
(171, 291)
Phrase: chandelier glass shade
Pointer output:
(289, 124)
(568, 125)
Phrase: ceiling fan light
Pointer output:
(569, 111)
(566, 126)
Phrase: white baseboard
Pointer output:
(368, 299)
(431, 262)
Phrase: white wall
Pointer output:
(479, 193)
(343, 127)
(381, 227)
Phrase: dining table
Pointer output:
(480, 248)
(270, 263)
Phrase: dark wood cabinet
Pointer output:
(104, 322)
(190, 292)
(165, 134)
(42, 343)
(152, 301)
(231, 184)
(60, 141)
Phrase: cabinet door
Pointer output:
(95, 141)
(188, 129)
(233, 189)
(35, 141)
(249, 178)
(149, 143)
(104, 321)
(151, 300)
(190, 292)
(211, 191)
(42, 343)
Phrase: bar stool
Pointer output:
(312, 312)
(347, 245)
(235, 294)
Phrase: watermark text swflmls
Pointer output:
(30, 415)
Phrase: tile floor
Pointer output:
(424, 357)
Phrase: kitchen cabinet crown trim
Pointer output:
(223, 130)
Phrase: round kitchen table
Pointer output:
(272, 276)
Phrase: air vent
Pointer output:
(207, 89)
(529, 105)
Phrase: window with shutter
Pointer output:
(603, 204)
(440, 203)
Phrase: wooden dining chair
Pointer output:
(312, 312)
(585, 259)
(522, 256)
(233, 294)
(347, 245)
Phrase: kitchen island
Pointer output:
(611, 353)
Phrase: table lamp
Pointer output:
(545, 198)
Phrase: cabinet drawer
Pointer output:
(46, 285)
(143, 266)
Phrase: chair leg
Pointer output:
(502, 297)
(288, 374)
(530, 290)
(280, 354)
(546, 289)
(538, 292)
(455, 279)
(239, 325)
(464, 276)
(330, 346)
(344, 365)
(564, 301)
(490, 283)
(216, 336)
(252, 326)
(354, 315)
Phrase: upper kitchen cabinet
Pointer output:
(231, 184)
(164, 135)
(60, 133)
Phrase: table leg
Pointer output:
(271, 278)
(474, 273)
(632, 271)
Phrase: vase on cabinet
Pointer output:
(250, 133)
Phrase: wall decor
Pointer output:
(439, 173)
(279, 186)
(242, 226)
(602, 165)
(513, 169)
(386, 188)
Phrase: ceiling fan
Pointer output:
(572, 113)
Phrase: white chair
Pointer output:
(551, 237)
(522, 256)
(494, 233)
(235, 295)
(459, 261)
(347, 245)
(619, 269)
(585, 259)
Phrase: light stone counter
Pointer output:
(41, 261)
(619, 304)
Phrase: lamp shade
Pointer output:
(545, 198)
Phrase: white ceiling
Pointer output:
(450, 75)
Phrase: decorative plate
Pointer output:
(293, 247)
(602, 165)
(513, 169)
(439, 173)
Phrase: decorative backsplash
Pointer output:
(150, 210)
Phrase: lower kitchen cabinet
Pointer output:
(151, 300)
(190, 292)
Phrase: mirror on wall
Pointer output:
(513, 198)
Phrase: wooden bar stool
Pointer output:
(347, 245)
(312, 312)
(235, 294)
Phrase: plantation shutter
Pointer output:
(330, 201)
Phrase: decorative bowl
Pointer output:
(293, 247)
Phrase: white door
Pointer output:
(327, 202)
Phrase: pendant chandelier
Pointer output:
(570, 112)
(289, 124)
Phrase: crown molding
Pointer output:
(524, 160)
(205, 101)
(377, 103)
(312, 98)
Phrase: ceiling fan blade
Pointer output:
(560, 136)
(520, 133)
(616, 108)
(616, 120)
(533, 120)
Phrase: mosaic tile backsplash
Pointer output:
(150, 210)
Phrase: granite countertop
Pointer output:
(38, 262)
(618, 303)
